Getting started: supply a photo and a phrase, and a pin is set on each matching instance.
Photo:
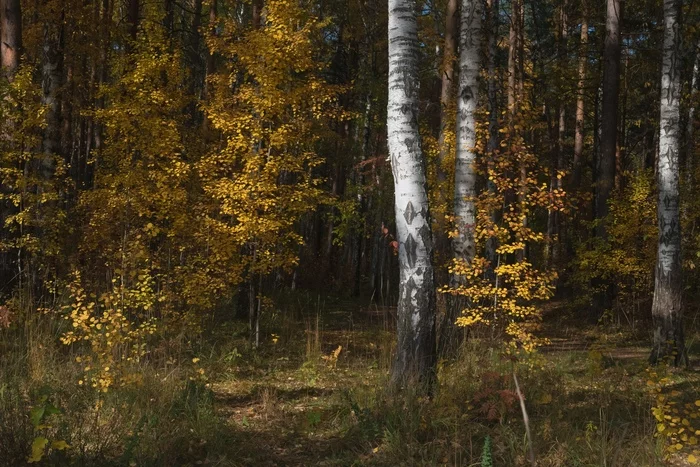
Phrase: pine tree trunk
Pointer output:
(666, 308)
(51, 82)
(415, 354)
(494, 140)
(611, 90)
(463, 247)
(209, 64)
(448, 82)
(580, 102)
(447, 94)
(690, 126)
(10, 36)
(133, 18)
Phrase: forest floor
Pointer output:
(313, 394)
(589, 397)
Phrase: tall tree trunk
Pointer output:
(133, 18)
(463, 246)
(690, 126)
(561, 128)
(515, 94)
(442, 243)
(512, 65)
(51, 82)
(415, 354)
(448, 83)
(209, 64)
(494, 140)
(666, 308)
(611, 90)
(10, 36)
(580, 99)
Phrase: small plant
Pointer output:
(332, 358)
(486, 455)
(677, 420)
(41, 416)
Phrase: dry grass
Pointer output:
(284, 404)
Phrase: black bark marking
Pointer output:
(426, 237)
(411, 254)
(410, 213)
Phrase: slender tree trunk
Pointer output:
(447, 94)
(51, 82)
(133, 18)
(210, 64)
(415, 354)
(512, 65)
(494, 140)
(463, 246)
(580, 99)
(666, 309)
(690, 126)
(611, 90)
(561, 129)
(448, 82)
(10, 36)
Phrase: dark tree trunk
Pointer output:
(580, 100)
(10, 36)
(611, 91)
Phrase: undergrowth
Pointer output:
(313, 394)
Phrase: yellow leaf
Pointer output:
(38, 446)
(59, 445)
(692, 459)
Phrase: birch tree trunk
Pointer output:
(611, 90)
(463, 248)
(666, 308)
(415, 354)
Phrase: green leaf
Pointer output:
(51, 410)
(36, 414)
(38, 447)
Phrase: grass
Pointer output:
(290, 402)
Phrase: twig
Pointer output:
(526, 420)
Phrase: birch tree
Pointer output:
(463, 246)
(415, 354)
(666, 307)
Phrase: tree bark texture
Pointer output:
(10, 36)
(415, 355)
(463, 246)
(611, 91)
(666, 307)
(580, 99)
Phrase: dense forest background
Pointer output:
(291, 232)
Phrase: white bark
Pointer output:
(666, 307)
(465, 176)
(415, 359)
